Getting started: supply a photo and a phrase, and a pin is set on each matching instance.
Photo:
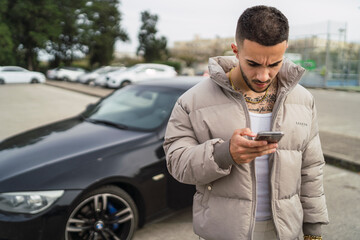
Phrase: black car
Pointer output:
(99, 175)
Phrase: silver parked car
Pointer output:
(52, 73)
(140, 72)
(69, 73)
(88, 78)
(15, 74)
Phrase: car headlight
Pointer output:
(28, 202)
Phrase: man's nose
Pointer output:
(263, 74)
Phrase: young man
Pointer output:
(250, 189)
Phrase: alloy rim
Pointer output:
(101, 216)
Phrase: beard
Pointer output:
(247, 81)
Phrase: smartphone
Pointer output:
(270, 137)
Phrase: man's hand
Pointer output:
(243, 150)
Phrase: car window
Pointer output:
(13, 69)
(133, 68)
(159, 69)
(136, 106)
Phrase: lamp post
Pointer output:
(359, 68)
(327, 58)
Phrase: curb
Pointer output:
(333, 89)
(83, 91)
(340, 162)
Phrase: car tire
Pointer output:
(66, 79)
(2, 81)
(91, 83)
(125, 83)
(116, 219)
(34, 80)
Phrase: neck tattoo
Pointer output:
(248, 99)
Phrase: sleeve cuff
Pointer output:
(222, 155)
(312, 229)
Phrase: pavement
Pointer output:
(340, 150)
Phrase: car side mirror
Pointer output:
(90, 106)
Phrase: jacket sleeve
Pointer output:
(312, 190)
(189, 161)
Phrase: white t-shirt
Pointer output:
(262, 122)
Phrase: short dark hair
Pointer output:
(262, 24)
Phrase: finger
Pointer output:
(258, 154)
(246, 158)
(253, 144)
(247, 132)
(262, 148)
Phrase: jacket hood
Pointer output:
(288, 76)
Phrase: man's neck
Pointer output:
(256, 102)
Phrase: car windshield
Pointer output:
(134, 107)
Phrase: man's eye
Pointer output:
(253, 64)
(273, 65)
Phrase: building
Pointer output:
(200, 49)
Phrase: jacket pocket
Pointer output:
(289, 217)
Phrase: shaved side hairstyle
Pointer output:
(264, 25)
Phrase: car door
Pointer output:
(15, 75)
(178, 195)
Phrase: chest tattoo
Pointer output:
(266, 105)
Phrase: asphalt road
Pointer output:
(26, 106)
(338, 111)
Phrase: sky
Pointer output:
(182, 20)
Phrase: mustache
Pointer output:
(261, 82)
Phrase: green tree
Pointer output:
(103, 29)
(6, 44)
(31, 23)
(151, 47)
(70, 41)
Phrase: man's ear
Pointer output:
(235, 50)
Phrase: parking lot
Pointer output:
(26, 106)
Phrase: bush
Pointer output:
(176, 65)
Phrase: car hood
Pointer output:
(55, 142)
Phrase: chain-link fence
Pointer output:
(323, 49)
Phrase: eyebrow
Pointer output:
(258, 64)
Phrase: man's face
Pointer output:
(259, 64)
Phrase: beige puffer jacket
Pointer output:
(197, 151)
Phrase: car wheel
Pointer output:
(34, 80)
(91, 83)
(105, 213)
(2, 81)
(66, 79)
(125, 83)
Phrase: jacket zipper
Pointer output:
(252, 167)
(275, 113)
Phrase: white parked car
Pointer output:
(91, 76)
(69, 73)
(102, 79)
(52, 73)
(140, 72)
(15, 74)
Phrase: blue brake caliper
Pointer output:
(112, 210)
